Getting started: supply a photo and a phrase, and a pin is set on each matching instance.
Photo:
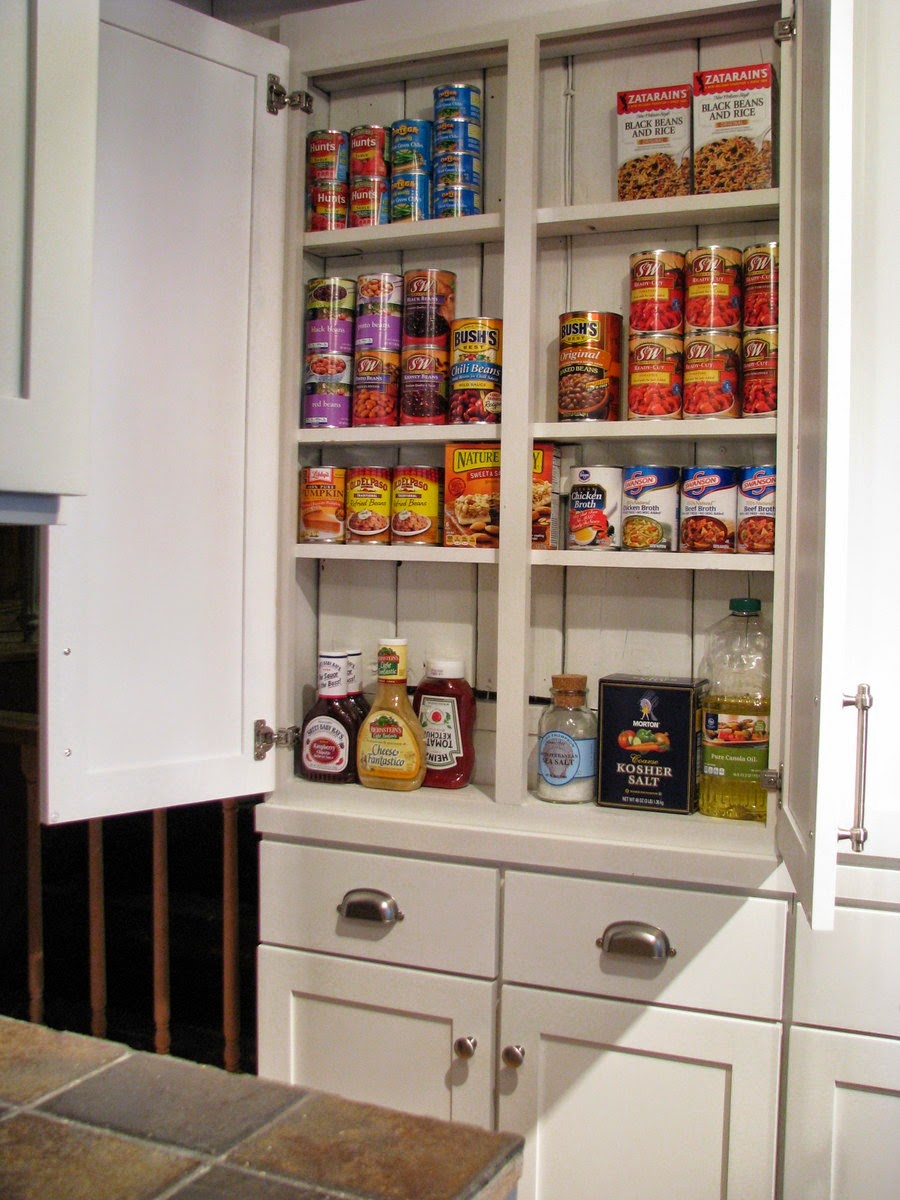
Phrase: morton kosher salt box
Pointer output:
(649, 742)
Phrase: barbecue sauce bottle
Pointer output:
(327, 748)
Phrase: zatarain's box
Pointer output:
(734, 125)
(649, 742)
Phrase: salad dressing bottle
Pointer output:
(391, 744)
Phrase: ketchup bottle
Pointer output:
(445, 706)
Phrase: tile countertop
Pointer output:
(87, 1119)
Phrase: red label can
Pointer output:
(657, 291)
(424, 385)
(713, 289)
(370, 151)
(376, 387)
(326, 156)
(761, 286)
(368, 202)
(655, 376)
(712, 364)
(326, 206)
(590, 366)
(759, 390)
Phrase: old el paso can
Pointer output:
(327, 156)
(708, 509)
(476, 358)
(370, 151)
(417, 496)
(657, 291)
(368, 501)
(590, 366)
(650, 507)
(756, 510)
(713, 288)
(595, 501)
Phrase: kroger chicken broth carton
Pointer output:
(649, 742)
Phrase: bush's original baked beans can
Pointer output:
(370, 151)
(657, 292)
(761, 286)
(590, 366)
(655, 376)
(368, 504)
(368, 202)
(376, 387)
(327, 156)
(759, 386)
(650, 507)
(476, 371)
(416, 506)
(756, 510)
(712, 373)
(708, 509)
(321, 504)
(713, 288)
(595, 508)
(457, 100)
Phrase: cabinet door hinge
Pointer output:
(771, 780)
(785, 29)
(278, 97)
(264, 738)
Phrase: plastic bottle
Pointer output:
(391, 745)
(328, 734)
(354, 683)
(445, 705)
(567, 744)
(737, 664)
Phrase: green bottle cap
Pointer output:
(744, 604)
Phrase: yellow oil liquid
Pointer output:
(719, 796)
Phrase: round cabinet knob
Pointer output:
(464, 1047)
(513, 1056)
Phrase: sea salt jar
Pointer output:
(567, 744)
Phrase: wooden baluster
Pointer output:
(230, 937)
(97, 928)
(161, 993)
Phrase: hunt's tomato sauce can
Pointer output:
(713, 288)
(657, 291)
(327, 156)
(712, 371)
(655, 376)
(761, 286)
(326, 205)
(370, 151)
(590, 366)
(368, 201)
(759, 390)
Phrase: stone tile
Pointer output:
(44, 1159)
(35, 1060)
(170, 1100)
(220, 1183)
(331, 1143)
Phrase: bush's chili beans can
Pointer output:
(368, 504)
(370, 152)
(708, 509)
(326, 206)
(476, 358)
(657, 292)
(590, 366)
(330, 305)
(416, 506)
(713, 288)
(368, 201)
(650, 507)
(761, 286)
(655, 376)
(457, 100)
(321, 504)
(327, 156)
(595, 508)
(712, 371)
(756, 510)
(759, 387)
(376, 387)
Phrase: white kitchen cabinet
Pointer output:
(48, 85)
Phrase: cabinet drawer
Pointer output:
(849, 977)
(450, 912)
(729, 950)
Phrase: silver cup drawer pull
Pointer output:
(635, 939)
(369, 904)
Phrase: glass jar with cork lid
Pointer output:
(567, 744)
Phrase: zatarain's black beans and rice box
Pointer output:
(649, 742)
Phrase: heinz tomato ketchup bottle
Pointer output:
(445, 706)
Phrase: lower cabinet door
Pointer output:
(417, 1041)
(637, 1102)
(842, 1132)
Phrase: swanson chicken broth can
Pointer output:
(708, 509)
(650, 507)
(657, 292)
(713, 288)
(476, 370)
(756, 510)
(368, 505)
(655, 376)
(590, 366)
(370, 152)
(595, 508)
(321, 504)
(416, 506)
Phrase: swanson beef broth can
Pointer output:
(328, 357)
(713, 287)
(650, 507)
(370, 152)
(756, 510)
(590, 366)
(708, 509)
(476, 358)
(595, 508)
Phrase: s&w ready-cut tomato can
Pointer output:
(759, 387)
(712, 374)
(655, 376)
(713, 288)
(657, 291)
(761, 286)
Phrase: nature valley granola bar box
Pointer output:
(654, 142)
(472, 494)
(734, 124)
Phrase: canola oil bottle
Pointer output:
(735, 750)
(390, 748)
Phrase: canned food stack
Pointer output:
(377, 342)
(410, 159)
(370, 159)
(327, 179)
(656, 336)
(456, 166)
(328, 359)
(590, 366)
(759, 391)
(713, 316)
(429, 309)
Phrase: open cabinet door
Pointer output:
(817, 741)
(159, 589)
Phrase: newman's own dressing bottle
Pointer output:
(391, 745)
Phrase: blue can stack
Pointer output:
(456, 166)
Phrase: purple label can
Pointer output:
(381, 292)
(457, 137)
(327, 406)
(411, 145)
(410, 196)
(379, 331)
(650, 507)
(457, 201)
(457, 100)
(451, 169)
(708, 509)
(756, 510)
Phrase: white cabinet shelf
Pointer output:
(670, 213)
(434, 554)
(643, 561)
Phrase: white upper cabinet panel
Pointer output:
(160, 586)
(48, 102)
